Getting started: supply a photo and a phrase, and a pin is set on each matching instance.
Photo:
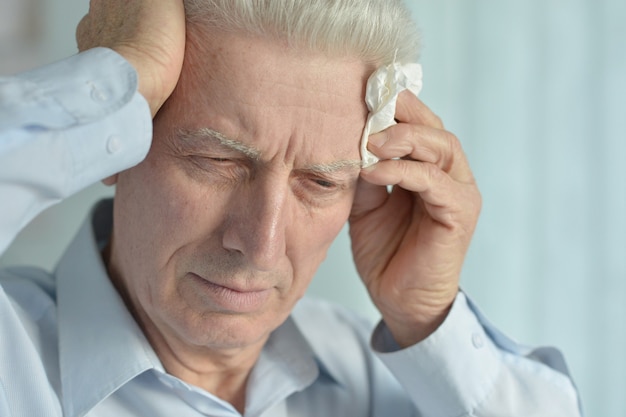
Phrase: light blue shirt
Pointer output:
(69, 347)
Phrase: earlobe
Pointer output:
(109, 181)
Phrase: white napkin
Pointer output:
(381, 95)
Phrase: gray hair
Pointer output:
(375, 31)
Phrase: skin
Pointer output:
(150, 34)
(409, 245)
(215, 239)
(219, 231)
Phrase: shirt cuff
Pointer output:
(77, 90)
(449, 373)
(99, 150)
(72, 123)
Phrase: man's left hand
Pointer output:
(409, 245)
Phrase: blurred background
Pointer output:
(535, 90)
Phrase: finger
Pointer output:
(415, 176)
(423, 143)
(444, 197)
(410, 109)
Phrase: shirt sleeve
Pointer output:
(64, 127)
(468, 368)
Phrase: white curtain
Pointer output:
(536, 91)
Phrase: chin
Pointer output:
(218, 331)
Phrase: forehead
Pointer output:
(274, 98)
(261, 61)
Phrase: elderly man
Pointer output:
(181, 297)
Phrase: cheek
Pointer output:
(157, 214)
(148, 196)
(165, 199)
(313, 236)
(161, 219)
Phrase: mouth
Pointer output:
(231, 298)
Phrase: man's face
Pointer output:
(250, 177)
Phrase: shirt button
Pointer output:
(477, 340)
(114, 144)
(97, 94)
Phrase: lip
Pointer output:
(230, 298)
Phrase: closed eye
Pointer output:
(204, 160)
(231, 169)
(324, 183)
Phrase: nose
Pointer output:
(257, 222)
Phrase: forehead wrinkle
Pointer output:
(332, 167)
(223, 140)
(322, 168)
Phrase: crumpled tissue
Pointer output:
(381, 95)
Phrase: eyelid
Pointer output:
(335, 182)
(222, 157)
(331, 184)
(218, 158)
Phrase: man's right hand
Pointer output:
(150, 34)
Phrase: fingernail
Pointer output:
(378, 139)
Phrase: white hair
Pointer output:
(376, 31)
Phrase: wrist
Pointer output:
(147, 86)
(411, 329)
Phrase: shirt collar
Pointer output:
(101, 347)
(287, 364)
(328, 341)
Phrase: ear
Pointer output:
(109, 181)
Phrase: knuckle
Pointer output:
(453, 142)
(406, 169)
(415, 131)
(432, 173)
(453, 151)
(437, 121)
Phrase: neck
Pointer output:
(223, 372)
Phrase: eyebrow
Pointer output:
(223, 140)
(255, 154)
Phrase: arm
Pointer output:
(72, 123)
(64, 127)
(409, 246)
(468, 368)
